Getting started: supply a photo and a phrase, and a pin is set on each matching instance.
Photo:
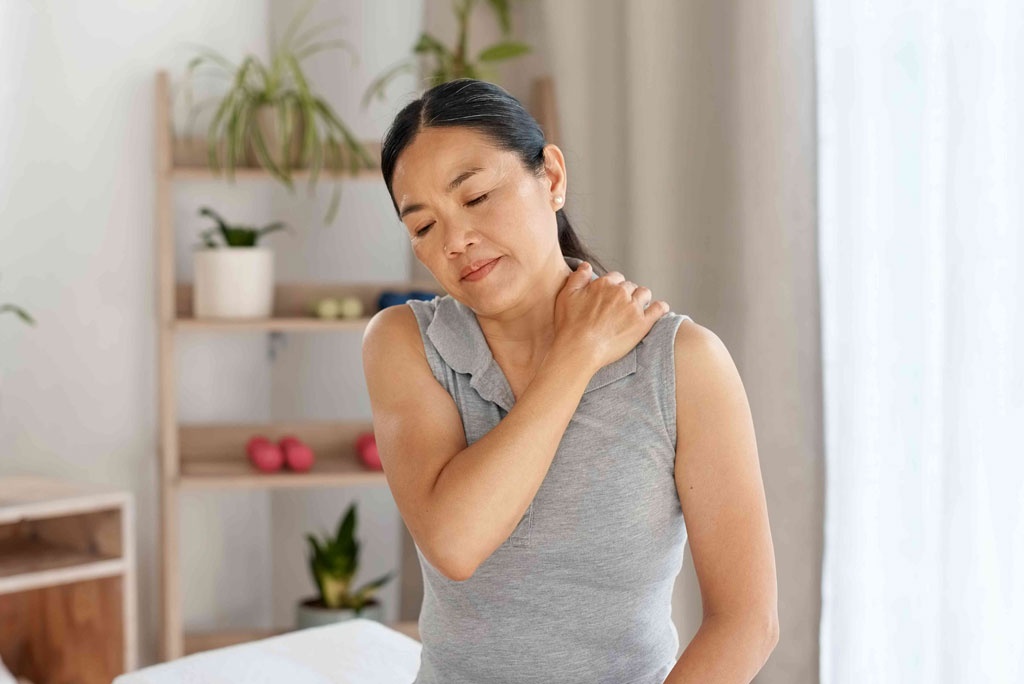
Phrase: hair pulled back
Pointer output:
(492, 111)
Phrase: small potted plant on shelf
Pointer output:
(271, 116)
(234, 279)
(333, 563)
(454, 62)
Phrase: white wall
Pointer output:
(78, 392)
(320, 377)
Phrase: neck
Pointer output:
(522, 335)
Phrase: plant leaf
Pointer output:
(259, 145)
(270, 228)
(501, 9)
(302, 38)
(326, 45)
(21, 313)
(332, 207)
(208, 55)
(284, 133)
(293, 26)
(503, 50)
(376, 86)
(364, 591)
(311, 141)
(347, 526)
(354, 145)
(429, 44)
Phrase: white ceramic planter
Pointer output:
(233, 282)
(309, 614)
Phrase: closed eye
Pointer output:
(472, 203)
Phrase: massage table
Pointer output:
(357, 651)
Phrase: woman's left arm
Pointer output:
(719, 481)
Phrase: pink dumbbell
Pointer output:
(366, 447)
(297, 453)
(264, 454)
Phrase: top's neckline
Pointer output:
(456, 334)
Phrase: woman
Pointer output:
(527, 422)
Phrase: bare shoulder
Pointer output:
(700, 355)
(390, 326)
(710, 396)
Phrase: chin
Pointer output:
(486, 301)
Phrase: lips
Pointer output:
(476, 266)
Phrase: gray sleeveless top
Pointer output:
(581, 590)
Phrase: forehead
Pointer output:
(437, 154)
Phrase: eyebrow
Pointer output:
(455, 183)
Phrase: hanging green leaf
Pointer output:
(500, 51)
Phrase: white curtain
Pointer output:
(921, 112)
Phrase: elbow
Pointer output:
(458, 572)
(451, 564)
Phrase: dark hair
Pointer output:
(489, 109)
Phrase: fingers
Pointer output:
(655, 311)
(640, 294)
(579, 278)
(614, 277)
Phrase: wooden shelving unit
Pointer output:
(211, 456)
(67, 580)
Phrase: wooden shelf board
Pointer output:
(239, 474)
(189, 158)
(213, 455)
(196, 642)
(34, 564)
(292, 324)
(293, 304)
(255, 173)
(25, 497)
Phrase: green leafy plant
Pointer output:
(335, 561)
(450, 63)
(271, 112)
(21, 313)
(234, 235)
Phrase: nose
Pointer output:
(457, 238)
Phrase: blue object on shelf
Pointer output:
(390, 298)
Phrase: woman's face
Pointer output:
(463, 201)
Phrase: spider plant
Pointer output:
(234, 235)
(451, 63)
(271, 112)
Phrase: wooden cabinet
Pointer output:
(67, 581)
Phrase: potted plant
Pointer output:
(21, 313)
(333, 563)
(271, 115)
(451, 63)
(234, 279)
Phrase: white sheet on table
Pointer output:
(358, 651)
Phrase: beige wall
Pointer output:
(690, 140)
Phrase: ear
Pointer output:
(554, 169)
